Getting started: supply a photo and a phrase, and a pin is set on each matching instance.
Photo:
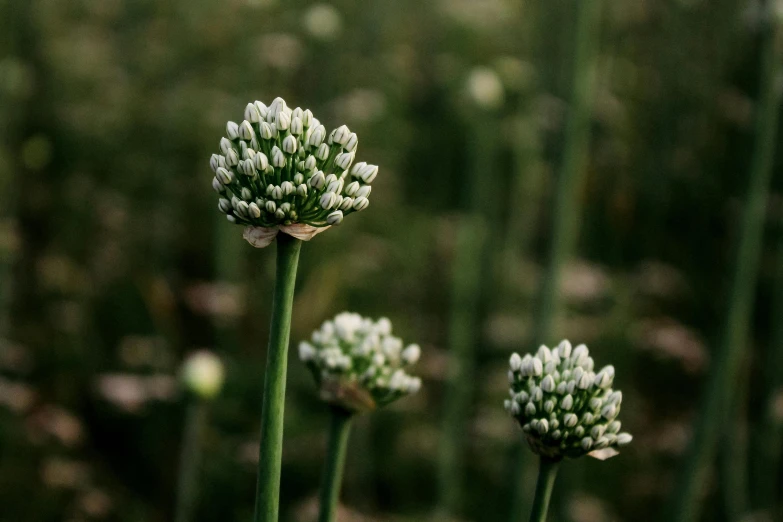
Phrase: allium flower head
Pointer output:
(564, 408)
(279, 170)
(358, 364)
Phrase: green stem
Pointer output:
(339, 431)
(685, 506)
(271, 447)
(547, 472)
(190, 461)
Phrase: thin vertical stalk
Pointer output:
(547, 472)
(767, 439)
(566, 208)
(471, 236)
(190, 461)
(339, 431)
(685, 505)
(271, 448)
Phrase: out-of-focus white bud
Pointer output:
(203, 374)
(270, 206)
(411, 354)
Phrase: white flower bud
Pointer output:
(225, 176)
(252, 114)
(217, 186)
(537, 367)
(530, 409)
(351, 144)
(231, 219)
(548, 384)
(597, 431)
(317, 137)
(317, 181)
(246, 131)
(297, 128)
(246, 194)
(549, 406)
(224, 205)
(544, 354)
(543, 426)
(360, 204)
(605, 377)
(307, 118)
(344, 160)
(270, 206)
(341, 135)
(289, 144)
(364, 191)
(225, 146)
(306, 352)
(301, 190)
(537, 394)
(335, 218)
(278, 159)
(282, 121)
(562, 387)
(323, 152)
(287, 187)
(609, 412)
(564, 350)
(327, 200)
(277, 193)
(624, 438)
(232, 158)
(570, 420)
(232, 130)
(345, 204)
(352, 188)
(261, 161)
(587, 443)
(214, 162)
(254, 211)
(266, 131)
(613, 427)
(567, 403)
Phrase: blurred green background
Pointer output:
(115, 262)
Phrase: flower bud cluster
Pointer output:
(280, 167)
(564, 407)
(358, 364)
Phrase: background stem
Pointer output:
(685, 506)
(339, 430)
(271, 447)
(190, 460)
(547, 472)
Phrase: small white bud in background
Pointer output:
(567, 403)
(623, 439)
(613, 427)
(411, 354)
(232, 130)
(530, 409)
(597, 431)
(231, 219)
(549, 406)
(537, 367)
(537, 394)
(485, 88)
(203, 373)
(306, 352)
(587, 443)
(562, 388)
(548, 384)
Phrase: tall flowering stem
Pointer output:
(283, 177)
(335, 463)
(271, 448)
(685, 506)
(358, 366)
(565, 409)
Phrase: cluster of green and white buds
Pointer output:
(565, 409)
(358, 364)
(203, 374)
(279, 170)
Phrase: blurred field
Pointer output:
(115, 261)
